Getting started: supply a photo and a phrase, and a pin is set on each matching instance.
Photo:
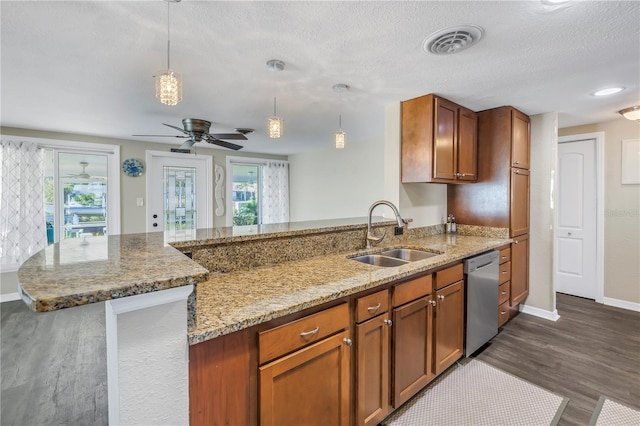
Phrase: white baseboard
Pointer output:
(9, 297)
(537, 312)
(632, 306)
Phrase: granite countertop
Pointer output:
(80, 271)
(232, 301)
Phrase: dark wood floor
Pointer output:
(53, 365)
(592, 350)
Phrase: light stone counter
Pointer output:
(239, 299)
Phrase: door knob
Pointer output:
(347, 341)
(388, 322)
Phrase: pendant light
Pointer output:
(340, 136)
(275, 122)
(168, 82)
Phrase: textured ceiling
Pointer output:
(86, 66)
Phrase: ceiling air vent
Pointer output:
(453, 39)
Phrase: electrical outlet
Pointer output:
(398, 230)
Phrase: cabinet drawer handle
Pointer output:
(503, 312)
(504, 272)
(504, 257)
(388, 322)
(309, 333)
(503, 292)
(372, 309)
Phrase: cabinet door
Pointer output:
(520, 140)
(467, 145)
(519, 202)
(519, 269)
(307, 387)
(444, 140)
(372, 370)
(412, 349)
(448, 326)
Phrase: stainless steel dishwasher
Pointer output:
(481, 278)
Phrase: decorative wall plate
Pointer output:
(132, 167)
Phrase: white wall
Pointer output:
(337, 183)
(544, 140)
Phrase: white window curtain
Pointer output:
(22, 220)
(275, 192)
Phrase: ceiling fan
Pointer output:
(84, 174)
(198, 130)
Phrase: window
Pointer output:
(259, 191)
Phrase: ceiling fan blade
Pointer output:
(224, 144)
(187, 144)
(177, 128)
(232, 136)
(165, 136)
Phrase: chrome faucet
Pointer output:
(372, 239)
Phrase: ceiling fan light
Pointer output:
(631, 113)
(275, 127)
(340, 139)
(168, 87)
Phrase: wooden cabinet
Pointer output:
(412, 349)
(519, 269)
(448, 326)
(439, 141)
(500, 197)
(519, 202)
(373, 345)
(312, 384)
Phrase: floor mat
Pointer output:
(478, 394)
(613, 413)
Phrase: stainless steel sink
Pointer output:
(410, 255)
(394, 257)
(378, 260)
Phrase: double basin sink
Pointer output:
(394, 257)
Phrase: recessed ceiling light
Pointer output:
(608, 91)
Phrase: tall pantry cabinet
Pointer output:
(500, 197)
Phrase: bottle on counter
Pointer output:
(454, 225)
(447, 228)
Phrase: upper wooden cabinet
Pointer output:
(520, 139)
(500, 197)
(439, 141)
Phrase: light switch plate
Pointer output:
(140, 202)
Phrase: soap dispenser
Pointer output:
(454, 226)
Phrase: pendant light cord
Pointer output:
(168, 36)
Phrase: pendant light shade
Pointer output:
(340, 136)
(631, 113)
(168, 87)
(168, 82)
(275, 122)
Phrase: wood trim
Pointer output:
(220, 381)
(411, 290)
(448, 276)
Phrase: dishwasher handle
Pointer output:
(481, 261)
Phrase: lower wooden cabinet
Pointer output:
(372, 370)
(308, 387)
(412, 349)
(448, 326)
(519, 269)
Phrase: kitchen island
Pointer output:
(242, 277)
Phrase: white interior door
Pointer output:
(179, 193)
(576, 227)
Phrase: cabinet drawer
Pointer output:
(289, 337)
(505, 272)
(505, 255)
(503, 313)
(503, 292)
(372, 305)
(448, 276)
(411, 290)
